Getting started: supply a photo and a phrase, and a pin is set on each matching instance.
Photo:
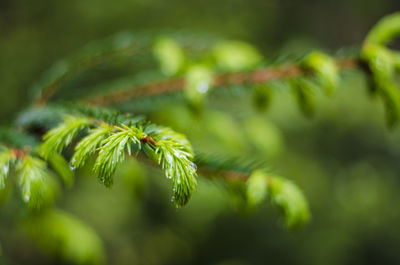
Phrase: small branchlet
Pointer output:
(175, 155)
(236, 56)
(35, 180)
(56, 139)
(384, 64)
(290, 200)
(283, 193)
(226, 63)
(385, 30)
(260, 185)
(325, 69)
(169, 149)
(112, 151)
(37, 184)
(170, 56)
(88, 145)
(198, 82)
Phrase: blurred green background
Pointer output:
(344, 159)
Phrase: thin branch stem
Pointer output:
(207, 172)
(257, 76)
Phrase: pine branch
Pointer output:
(88, 145)
(112, 151)
(258, 76)
(112, 135)
(175, 156)
(19, 154)
(62, 135)
(283, 193)
(384, 64)
(169, 149)
(35, 179)
(36, 182)
(119, 46)
(260, 185)
(223, 166)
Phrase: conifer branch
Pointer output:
(35, 180)
(283, 193)
(169, 149)
(260, 184)
(112, 135)
(235, 169)
(57, 139)
(121, 45)
(258, 76)
(112, 151)
(88, 145)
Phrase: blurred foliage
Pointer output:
(66, 236)
(344, 159)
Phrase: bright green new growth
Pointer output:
(325, 69)
(190, 68)
(380, 60)
(175, 157)
(289, 198)
(169, 149)
(57, 232)
(88, 145)
(385, 30)
(198, 81)
(38, 187)
(112, 138)
(236, 56)
(112, 151)
(170, 56)
(56, 139)
(282, 192)
(383, 63)
(256, 187)
(36, 182)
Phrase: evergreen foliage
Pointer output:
(62, 230)
(170, 149)
(179, 66)
(36, 182)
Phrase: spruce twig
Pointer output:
(258, 76)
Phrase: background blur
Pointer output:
(344, 159)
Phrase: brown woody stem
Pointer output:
(257, 76)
